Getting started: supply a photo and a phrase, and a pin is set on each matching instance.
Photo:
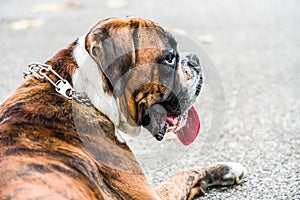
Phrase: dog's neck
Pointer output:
(88, 79)
(75, 64)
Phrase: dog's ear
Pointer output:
(112, 50)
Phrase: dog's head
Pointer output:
(150, 83)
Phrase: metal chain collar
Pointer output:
(62, 86)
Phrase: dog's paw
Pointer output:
(220, 174)
(235, 173)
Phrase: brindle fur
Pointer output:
(42, 155)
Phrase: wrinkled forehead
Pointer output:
(144, 33)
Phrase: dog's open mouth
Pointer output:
(186, 126)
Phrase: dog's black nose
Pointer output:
(193, 60)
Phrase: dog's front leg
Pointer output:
(189, 183)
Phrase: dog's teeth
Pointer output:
(163, 129)
(171, 128)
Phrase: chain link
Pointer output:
(62, 86)
(81, 98)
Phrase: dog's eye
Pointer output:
(168, 58)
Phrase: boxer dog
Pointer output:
(58, 131)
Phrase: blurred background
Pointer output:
(253, 49)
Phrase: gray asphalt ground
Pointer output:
(254, 47)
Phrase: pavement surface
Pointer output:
(250, 104)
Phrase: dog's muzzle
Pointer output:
(176, 113)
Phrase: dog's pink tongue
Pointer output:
(189, 132)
